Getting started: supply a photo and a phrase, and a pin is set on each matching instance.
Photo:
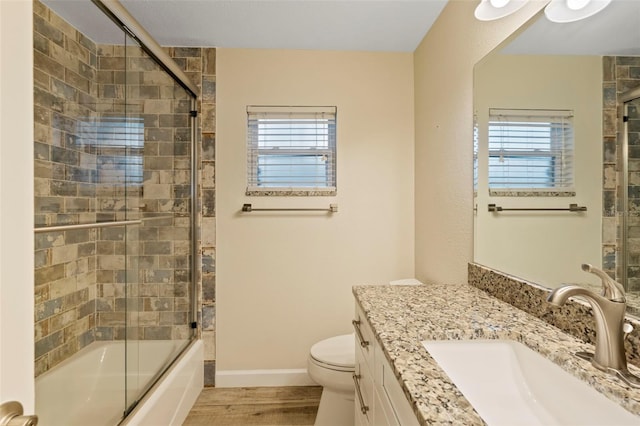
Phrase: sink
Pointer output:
(510, 384)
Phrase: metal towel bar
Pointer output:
(333, 208)
(86, 226)
(572, 208)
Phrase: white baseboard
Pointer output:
(257, 378)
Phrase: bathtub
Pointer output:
(89, 387)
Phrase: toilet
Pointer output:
(331, 364)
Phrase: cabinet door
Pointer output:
(383, 415)
(398, 401)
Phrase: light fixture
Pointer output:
(488, 10)
(562, 11)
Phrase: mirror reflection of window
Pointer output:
(530, 150)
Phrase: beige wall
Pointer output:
(521, 243)
(284, 279)
(443, 72)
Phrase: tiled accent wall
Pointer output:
(620, 74)
(80, 275)
(155, 165)
(574, 317)
(200, 65)
(65, 166)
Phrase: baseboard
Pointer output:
(257, 378)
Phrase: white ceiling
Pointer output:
(370, 25)
(614, 31)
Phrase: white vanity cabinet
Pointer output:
(379, 398)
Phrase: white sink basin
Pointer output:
(509, 384)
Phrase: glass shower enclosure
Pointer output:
(629, 196)
(114, 214)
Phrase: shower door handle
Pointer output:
(11, 414)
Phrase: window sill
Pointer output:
(291, 192)
(530, 193)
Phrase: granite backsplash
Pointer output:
(575, 317)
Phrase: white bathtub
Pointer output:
(89, 387)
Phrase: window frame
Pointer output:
(255, 151)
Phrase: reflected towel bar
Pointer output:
(333, 208)
(572, 208)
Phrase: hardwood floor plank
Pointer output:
(213, 396)
(265, 406)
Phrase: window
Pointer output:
(291, 149)
(530, 151)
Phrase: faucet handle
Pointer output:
(611, 289)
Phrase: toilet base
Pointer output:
(336, 409)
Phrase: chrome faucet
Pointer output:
(609, 311)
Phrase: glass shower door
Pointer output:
(113, 211)
(631, 200)
(159, 195)
(133, 166)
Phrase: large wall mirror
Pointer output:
(557, 179)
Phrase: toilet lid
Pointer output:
(338, 351)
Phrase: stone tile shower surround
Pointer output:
(619, 74)
(80, 275)
(200, 65)
(157, 185)
(65, 95)
(574, 317)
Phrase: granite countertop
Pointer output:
(402, 316)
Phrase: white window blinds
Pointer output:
(291, 148)
(531, 150)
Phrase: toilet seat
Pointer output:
(335, 353)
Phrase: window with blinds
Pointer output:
(291, 149)
(531, 150)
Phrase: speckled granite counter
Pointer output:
(402, 316)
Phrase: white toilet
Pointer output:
(331, 364)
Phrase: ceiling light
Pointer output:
(488, 10)
(573, 10)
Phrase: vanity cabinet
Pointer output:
(379, 399)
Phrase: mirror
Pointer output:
(578, 69)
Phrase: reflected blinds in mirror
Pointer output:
(531, 150)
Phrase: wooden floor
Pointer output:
(255, 406)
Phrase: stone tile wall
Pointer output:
(200, 65)
(65, 190)
(156, 186)
(620, 74)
